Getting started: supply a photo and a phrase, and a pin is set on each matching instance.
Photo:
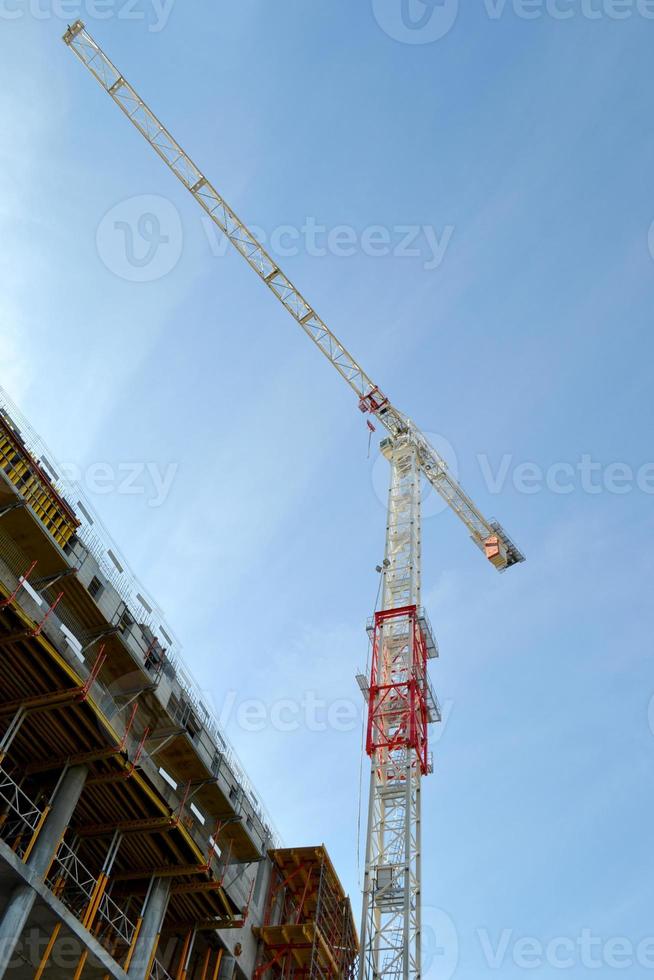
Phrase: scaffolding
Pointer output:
(308, 930)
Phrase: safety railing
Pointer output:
(70, 880)
(158, 972)
(22, 818)
(115, 918)
(78, 889)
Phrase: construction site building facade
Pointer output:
(132, 843)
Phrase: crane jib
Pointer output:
(488, 535)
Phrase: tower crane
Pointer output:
(401, 703)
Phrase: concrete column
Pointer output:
(23, 897)
(58, 819)
(13, 922)
(227, 966)
(153, 916)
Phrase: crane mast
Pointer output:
(401, 703)
(400, 706)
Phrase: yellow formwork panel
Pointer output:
(26, 475)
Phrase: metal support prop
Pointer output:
(81, 963)
(102, 881)
(130, 952)
(153, 955)
(36, 832)
(12, 731)
(185, 956)
(216, 969)
(47, 952)
(205, 964)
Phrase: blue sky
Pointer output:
(525, 144)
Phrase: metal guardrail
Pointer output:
(115, 567)
(22, 821)
(18, 801)
(158, 972)
(74, 885)
(113, 915)
(68, 878)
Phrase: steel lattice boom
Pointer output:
(401, 704)
(486, 534)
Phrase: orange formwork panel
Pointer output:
(308, 929)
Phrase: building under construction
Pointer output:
(132, 843)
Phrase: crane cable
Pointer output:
(361, 753)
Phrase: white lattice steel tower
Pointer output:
(396, 738)
(400, 699)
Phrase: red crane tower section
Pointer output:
(398, 705)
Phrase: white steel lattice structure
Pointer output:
(401, 703)
(390, 929)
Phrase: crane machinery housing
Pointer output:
(401, 703)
